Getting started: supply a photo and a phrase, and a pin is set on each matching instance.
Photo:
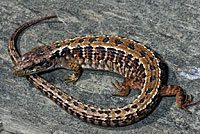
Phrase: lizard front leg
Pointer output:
(76, 67)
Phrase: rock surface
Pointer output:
(171, 28)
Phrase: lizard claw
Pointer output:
(188, 102)
(71, 78)
(122, 89)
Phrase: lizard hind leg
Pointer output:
(121, 88)
(182, 100)
(188, 102)
(124, 87)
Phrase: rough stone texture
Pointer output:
(171, 28)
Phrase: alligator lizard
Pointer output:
(137, 63)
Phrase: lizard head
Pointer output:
(33, 62)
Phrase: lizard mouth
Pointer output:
(21, 73)
(18, 71)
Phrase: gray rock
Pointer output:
(171, 28)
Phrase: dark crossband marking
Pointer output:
(65, 51)
(75, 103)
(117, 42)
(72, 41)
(149, 90)
(143, 54)
(135, 106)
(92, 40)
(152, 67)
(81, 41)
(111, 53)
(88, 52)
(128, 59)
(152, 78)
(105, 40)
(118, 111)
(131, 46)
(100, 53)
(78, 51)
